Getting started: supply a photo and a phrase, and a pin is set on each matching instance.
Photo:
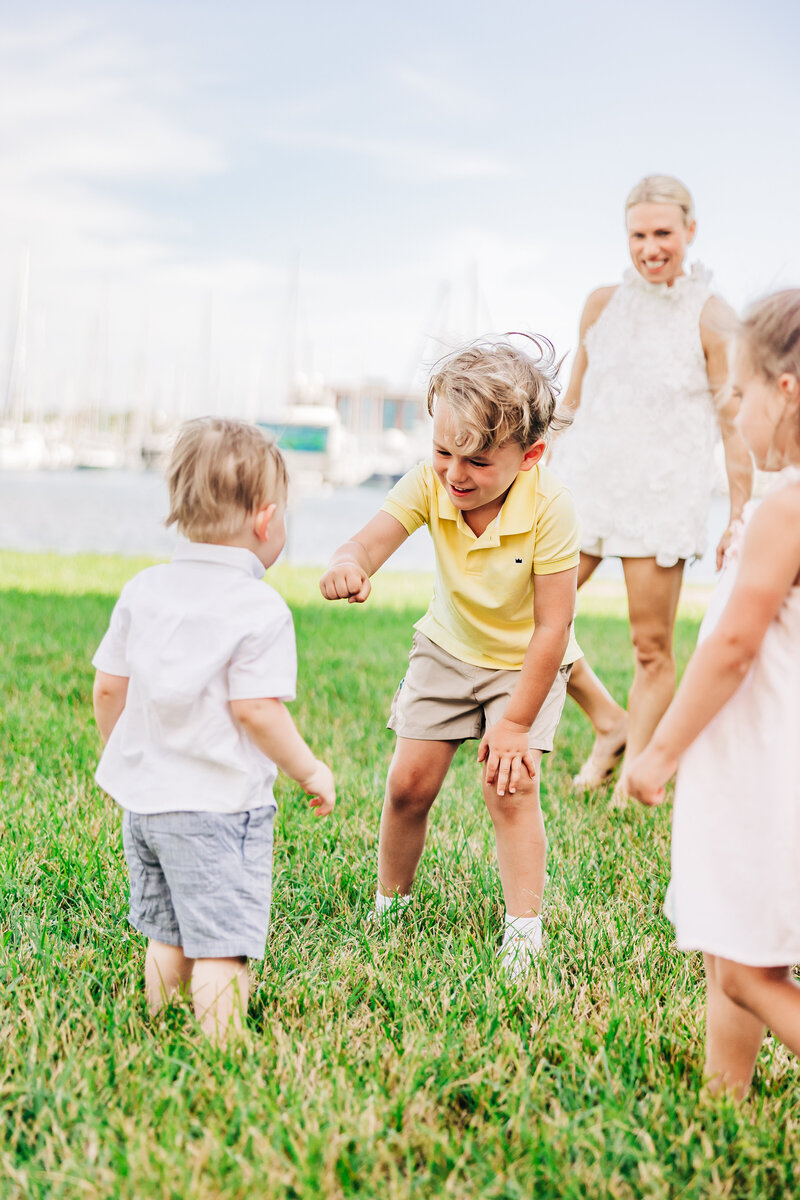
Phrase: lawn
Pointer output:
(383, 1067)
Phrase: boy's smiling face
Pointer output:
(477, 483)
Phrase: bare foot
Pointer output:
(605, 755)
(619, 800)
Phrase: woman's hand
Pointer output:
(722, 546)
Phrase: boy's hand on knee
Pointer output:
(346, 581)
(320, 787)
(505, 750)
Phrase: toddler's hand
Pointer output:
(645, 777)
(505, 748)
(345, 581)
(320, 787)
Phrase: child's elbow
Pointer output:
(108, 688)
(252, 714)
(739, 649)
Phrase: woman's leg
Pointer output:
(733, 1035)
(521, 842)
(653, 594)
(415, 777)
(609, 720)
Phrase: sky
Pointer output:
(211, 201)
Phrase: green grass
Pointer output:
(373, 1068)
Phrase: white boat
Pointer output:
(317, 447)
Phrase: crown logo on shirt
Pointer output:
(517, 560)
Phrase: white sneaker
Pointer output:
(517, 955)
(391, 916)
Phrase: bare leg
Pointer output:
(768, 994)
(733, 1035)
(167, 971)
(415, 776)
(653, 594)
(609, 720)
(521, 843)
(220, 990)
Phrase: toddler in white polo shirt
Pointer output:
(192, 679)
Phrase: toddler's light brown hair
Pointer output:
(220, 472)
(771, 333)
(499, 392)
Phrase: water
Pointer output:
(122, 512)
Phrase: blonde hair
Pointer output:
(662, 189)
(220, 471)
(771, 333)
(498, 392)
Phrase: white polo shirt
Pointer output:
(192, 635)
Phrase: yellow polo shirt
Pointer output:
(482, 606)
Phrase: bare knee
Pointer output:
(514, 808)
(653, 650)
(739, 982)
(408, 790)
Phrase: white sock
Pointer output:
(527, 927)
(397, 902)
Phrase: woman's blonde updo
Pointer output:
(662, 189)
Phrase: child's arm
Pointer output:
(738, 464)
(108, 696)
(505, 745)
(348, 573)
(769, 567)
(268, 724)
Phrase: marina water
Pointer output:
(122, 512)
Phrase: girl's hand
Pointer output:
(505, 748)
(645, 777)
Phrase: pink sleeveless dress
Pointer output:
(735, 887)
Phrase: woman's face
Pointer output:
(658, 241)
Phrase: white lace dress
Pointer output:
(639, 456)
(735, 887)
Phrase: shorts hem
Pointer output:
(425, 735)
(225, 950)
(151, 931)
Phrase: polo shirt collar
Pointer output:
(237, 557)
(517, 513)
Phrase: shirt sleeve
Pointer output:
(264, 663)
(409, 501)
(111, 655)
(558, 536)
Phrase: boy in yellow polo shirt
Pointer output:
(491, 656)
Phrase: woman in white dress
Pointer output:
(648, 400)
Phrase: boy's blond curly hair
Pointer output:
(220, 471)
(499, 392)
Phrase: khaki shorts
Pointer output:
(443, 699)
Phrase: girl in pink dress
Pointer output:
(734, 727)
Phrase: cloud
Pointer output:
(88, 122)
(441, 93)
(419, 161)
